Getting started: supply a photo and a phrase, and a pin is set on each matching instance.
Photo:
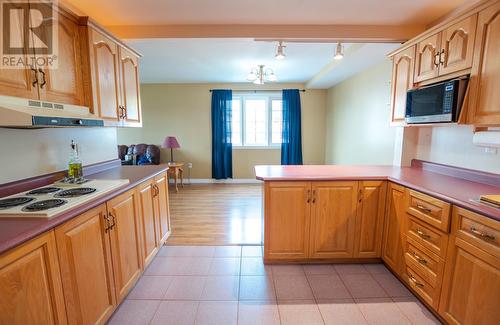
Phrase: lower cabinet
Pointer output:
(287, 219)
(161, 207)
(149, 224)
(323, 220)
(471, 287)
(393, 235)
(30, 282)
(333, 219)
(124, 232)
(83, 244)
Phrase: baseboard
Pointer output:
(223, 181)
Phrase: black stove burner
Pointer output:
(14, 202)
(44, 190)
(75, 192)
(44, 205)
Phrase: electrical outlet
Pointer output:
(490, 151)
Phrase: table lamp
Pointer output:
(171, 142)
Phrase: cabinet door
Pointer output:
(458, 46)
(402, 80)
(287, 219)
(471, 288)
(162, 208)
(31, 284)
(148, 221)
(334, 207)
(85, 257)
(125, 241)
(129, 65)
(105, 77)
(370, 219)
(484, 96)
(18, 82)
(392, 242)
(64, 83)
(427, 58)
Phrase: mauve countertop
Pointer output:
(454, 190)
(15, 231)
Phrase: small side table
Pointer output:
(175, 170)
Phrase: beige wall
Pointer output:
(28, 153)
(183, 110)
(452, 145)
(358, 130)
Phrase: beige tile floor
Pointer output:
(230, 285)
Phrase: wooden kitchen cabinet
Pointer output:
(125, 241)
(484, 98)
(394, 229)
(63, 84)
(149, 224)
(161, 208)
(370, 219)
(83, 245)
(471, 286)
(427, 58)
(333, 219)
(287, 220)
(31, 284)
(105, 76)
(129, 65)
(402, 80)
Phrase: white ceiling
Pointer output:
(363, 12)
(230, 60)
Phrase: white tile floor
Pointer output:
(231, 285)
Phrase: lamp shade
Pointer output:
(170, 142)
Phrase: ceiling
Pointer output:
(362, 12)
(230, 60)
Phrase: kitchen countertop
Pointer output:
(15, 231)
(457, 191)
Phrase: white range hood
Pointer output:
(25, 113)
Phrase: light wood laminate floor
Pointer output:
(216, 214)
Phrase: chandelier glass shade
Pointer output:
(260, 75)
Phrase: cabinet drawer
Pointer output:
(425, 263)
(427, 236)
(422, 288)
(433, 211)
(480, 231)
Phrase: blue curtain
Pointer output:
(291, 146)
(222, 149)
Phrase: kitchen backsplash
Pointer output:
(31, 152)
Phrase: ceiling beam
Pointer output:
(346, 33)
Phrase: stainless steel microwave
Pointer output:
(437, 103)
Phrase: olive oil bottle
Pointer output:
(75, 169)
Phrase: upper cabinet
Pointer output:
(484, 99)
(402, 80)
(114, 71)
(464, 44)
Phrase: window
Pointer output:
(256, 120)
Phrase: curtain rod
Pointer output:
(256, 90)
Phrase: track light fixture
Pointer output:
(280, 51)
(339, 53)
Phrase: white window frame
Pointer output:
(268, 98)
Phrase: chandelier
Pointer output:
(259, 75)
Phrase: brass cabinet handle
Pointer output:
(415, 281)
(423, 234)
(481, 235)
(442, 57)
(314, 196)
(44, 82)
(35, 81)
(419, 259)
(156, 190)
(121, 114)
(423, 209)
(108, 227)
(124, 111)
(113, 219)
(436, 59)
(308, 196)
